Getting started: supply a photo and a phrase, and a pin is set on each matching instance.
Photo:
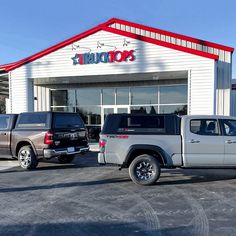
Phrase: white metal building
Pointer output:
(119, 66)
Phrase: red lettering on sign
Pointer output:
(131, 55)
(112, 56)
(112, 53)
(80, 58)
(118, 56)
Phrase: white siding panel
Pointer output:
(228, 57)
(173, 40)
(21, 90)
(42, 96)
(138, 31)
(149, 58)
(122, 27)
(133, 30)
(158, 36)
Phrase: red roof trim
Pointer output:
(161, 43)
(2, 67)
(12, 66)
(171, 34)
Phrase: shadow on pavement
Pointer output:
(86, 160)
(64, 185)
(93, 228)
(192, 176)
(8, 159)
(191, 180)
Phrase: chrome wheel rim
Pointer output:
(144, 170)
(25, 158)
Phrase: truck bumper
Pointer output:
(101, 158)
(49, 153)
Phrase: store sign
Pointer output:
(103, 57)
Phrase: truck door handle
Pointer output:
(230, 141)
(194, 141)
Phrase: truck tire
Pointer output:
(144, 170)
(65, 159)
(27, 158)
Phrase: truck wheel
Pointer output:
(144, 170)
(65, 159)
(27, 158)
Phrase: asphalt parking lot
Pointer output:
(84, 198)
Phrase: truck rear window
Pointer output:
(67, 121)
(152, 124)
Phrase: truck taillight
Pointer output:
(48, 138)
(102, 145)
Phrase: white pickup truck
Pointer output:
(146, 143)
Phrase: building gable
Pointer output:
(143, 33)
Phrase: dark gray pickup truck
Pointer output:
(37, 135)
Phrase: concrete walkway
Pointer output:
(7, 163)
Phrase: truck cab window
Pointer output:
(229, 127)
(4, 121)
(204, 127)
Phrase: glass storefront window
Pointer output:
(108, 96)
(144, 109)
(176, 109)
(122, 96)
(87, 101)
(173, 94)
(63, 97)
(63, 108)
(144, 95)
(88, 97)
(91, 115)
(122, 110)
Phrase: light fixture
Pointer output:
(125, 43)
(75, 47)
(100, 45)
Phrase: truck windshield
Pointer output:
(67, 121)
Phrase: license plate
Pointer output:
(70, 149)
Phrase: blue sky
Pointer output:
(29, 26)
